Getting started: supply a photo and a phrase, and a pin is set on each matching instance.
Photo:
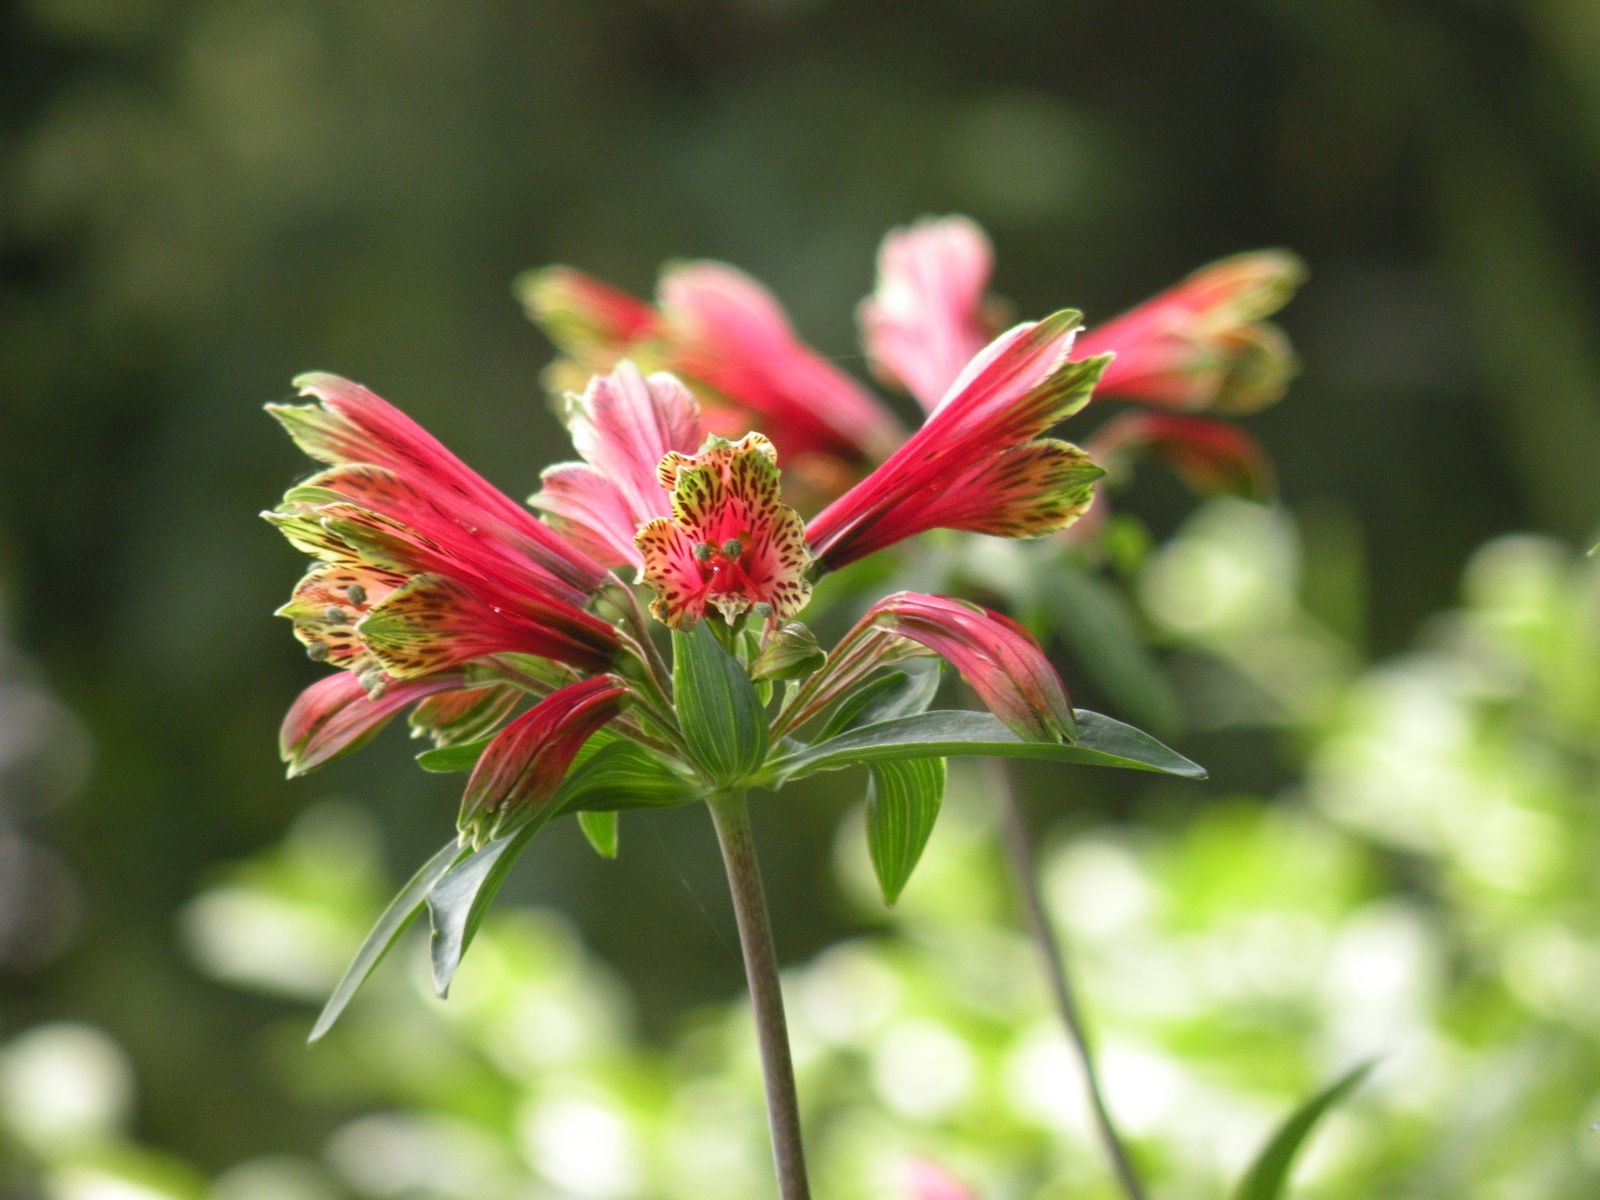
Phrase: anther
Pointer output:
(704, 550)
(732, 548)
(357, 594)
(333, 615)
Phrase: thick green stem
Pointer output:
(1025, 875)
(731, 816)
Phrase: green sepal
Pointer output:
(721, 716)
(600, 827)
(1270, 1170)
(389, 926)
(903, 800)
(951, 733)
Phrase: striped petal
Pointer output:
(730, 542)
(335, 716)
(1204, 343)
(975, 463)
(997, 657)
(522, 768)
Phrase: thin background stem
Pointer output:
(1025, 875)
(731, 816)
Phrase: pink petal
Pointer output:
(354, 425)
(926, 319)
(997, 657)
(929, 1181)
(523, 767)
(727, 332)
(623, 425)
(334, 716)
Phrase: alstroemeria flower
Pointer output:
(431, 588)
(701, 518)
(1203, 344)
(726, 335)
(979, 463)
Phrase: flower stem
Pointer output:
(1025, 876)
(731, 816)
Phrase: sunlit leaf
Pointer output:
(600, 827)
(389, 926)
(902, 804)
(949, 733)
(1270, 1171)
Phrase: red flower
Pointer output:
(979, 463)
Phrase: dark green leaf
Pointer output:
(902, 804)
(389, 926)
(948, 733)
(721, 716)
(897, 694)
(459, 900)
(600, 827)
(621, 774)
(1093, 619)
(1270, 1171)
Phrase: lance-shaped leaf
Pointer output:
(389, 926)
(954, 733)
(903, 802)
(897, 694)
(525, 763)
(721, 715)
(1270, 1170)
(334, 716)
(995, 655)
(618, 775)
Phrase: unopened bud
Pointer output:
(791, 652)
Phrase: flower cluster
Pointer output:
(1202, 347)
(518, 637)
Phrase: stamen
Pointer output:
(704, 550)
(732, 548)
(357, 594)
(333, 615)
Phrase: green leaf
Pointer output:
(902, 804)
(1093, 619)
(897, 694)
(1270, 1171)
(389, 927)
(722, 718)
(621, 774)
(950, 733)
(460, 899)
(600, 827)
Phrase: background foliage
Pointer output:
(1395, 853)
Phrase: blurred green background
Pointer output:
(201, 199)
